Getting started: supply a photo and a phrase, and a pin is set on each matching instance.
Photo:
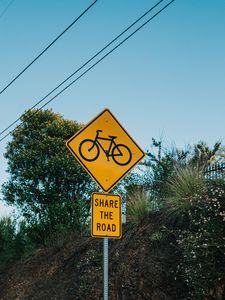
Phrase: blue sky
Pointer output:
(166, 81)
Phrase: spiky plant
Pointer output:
(138, 206)
(186, 184)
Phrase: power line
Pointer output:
(91, 67)
(76, 79)
(7, 7)
(88, 61)
(37, 57)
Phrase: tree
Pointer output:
(45, 182)
(203, 156)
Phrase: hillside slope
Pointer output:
(73, 270)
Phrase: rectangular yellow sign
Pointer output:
(106, 216)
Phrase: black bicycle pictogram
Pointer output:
(90, 149)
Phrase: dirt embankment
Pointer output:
(73, 270)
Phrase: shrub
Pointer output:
(14, 241)
(202, 245)
(139, 206)
(186, 184)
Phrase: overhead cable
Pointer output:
(7, 7)
(39, 55)
(87, 62)
(77, 78)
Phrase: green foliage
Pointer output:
(193, 212)
(203, 156)
(202, 245)
(58, 219)
(14, 242)
(46, 182)
(162, 166)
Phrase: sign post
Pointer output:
(105, 268)
(106, 222)
(107, 152)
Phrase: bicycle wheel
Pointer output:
(121, 155)
(89, 150)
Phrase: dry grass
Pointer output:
(138, 206)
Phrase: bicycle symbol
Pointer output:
(90, 149)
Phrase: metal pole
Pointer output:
(105, 268)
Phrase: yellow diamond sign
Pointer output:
(105, 150)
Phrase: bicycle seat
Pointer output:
(112, 136)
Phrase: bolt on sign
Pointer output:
(105, 149)
(106, 215)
